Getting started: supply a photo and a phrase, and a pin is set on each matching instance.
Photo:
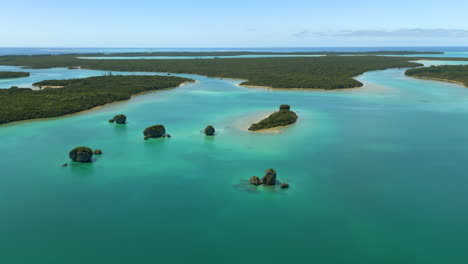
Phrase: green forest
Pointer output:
(456, 73)
(9, 74)
(327, 72)
(76, 95)
(237, 53)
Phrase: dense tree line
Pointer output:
(76, 95)
(237, 53)
(456, 73)
(328, 72)
(9, 74)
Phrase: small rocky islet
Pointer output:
(283, 117)
(81, 154)
(156, 131)
(268, 180)
(119, 119)
(209, 130)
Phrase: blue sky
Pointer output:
(236, 23)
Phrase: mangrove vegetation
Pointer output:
(327, 72)
(76, 95)
(451, 73)
(9, 74)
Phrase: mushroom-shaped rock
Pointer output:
(270, 177)
(255, 180)
(284, 185)
(81, 154)
(120, 119)
(98, 152)
(285, 107)
(209, 130)
(154, 131)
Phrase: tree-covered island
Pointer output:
(10, 74)
(327, 72)
(76, 95)
(283, 117)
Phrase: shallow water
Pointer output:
(446, 54)
(377, 175)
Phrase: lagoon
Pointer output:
(377, 175)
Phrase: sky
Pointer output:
(236, 23)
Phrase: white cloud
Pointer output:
(400, 33)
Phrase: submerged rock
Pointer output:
(65, 165)
(155, 132)
(255, 180)
(120, 119)
(98, 152)
(270, 177)
(111, 120)
(209, 130)
(284, 185)
(81, 154)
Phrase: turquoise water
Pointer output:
(37, 75)
(437, 63)
(191, 57)
(447, 54)
(377, 175)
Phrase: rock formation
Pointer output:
(98, 152)
(255, 180)
(155, 131)
(81, 154)
(120, 119)
(209, 131)
(270, 177)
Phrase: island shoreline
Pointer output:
(94, 108)
(438, 79)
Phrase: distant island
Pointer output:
(327, 72)
(283, 117)
(456, 73)
(9, 74)
(240, 53)
(76, 95)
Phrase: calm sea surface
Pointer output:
(377, 175)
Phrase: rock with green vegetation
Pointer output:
(81, 154)
(155, 131)
(270, 177)
(98, 152)
(209, 130)
(255, 180)
(285, 107)
(281, 118)
(120, 119)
